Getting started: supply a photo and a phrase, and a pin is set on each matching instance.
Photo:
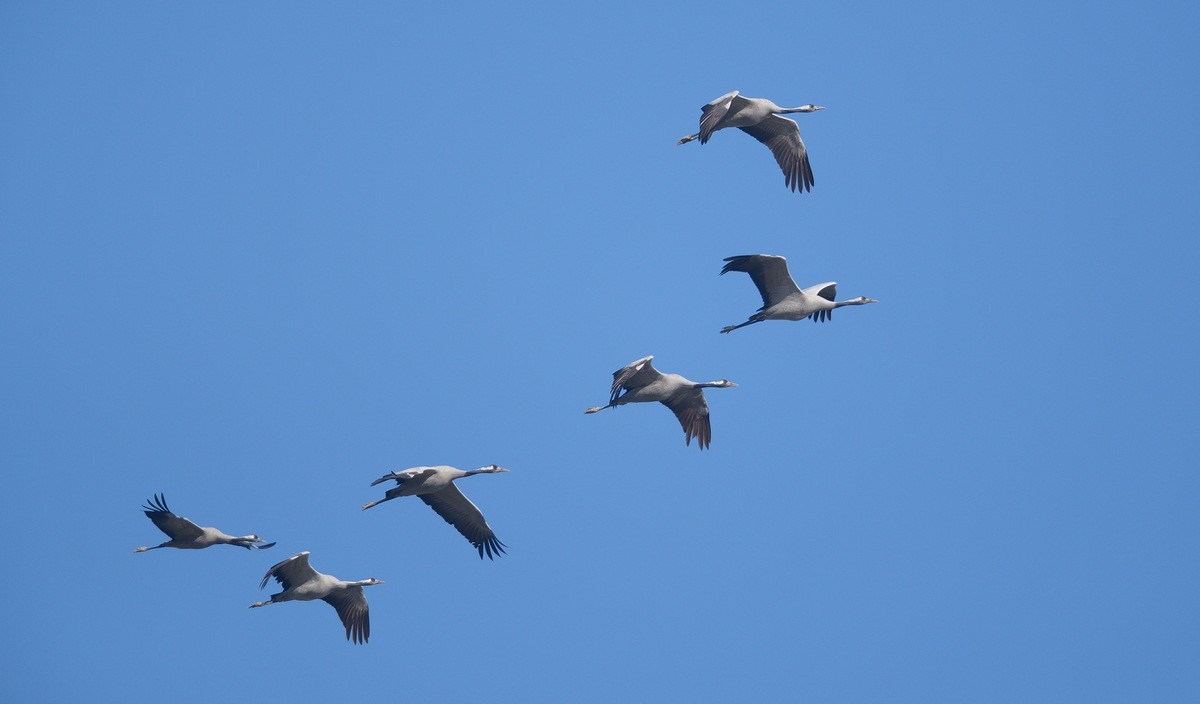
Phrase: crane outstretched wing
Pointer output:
(406, 475)
(635, 375)
(769, 273)
(176, 527)
(291, 572)
(828, 291)
(457, 510)
(351, 605)
(691, 409)
(782, 137)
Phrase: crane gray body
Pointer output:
(782, 298)
(640, 382)
(763, 120)
(186, 535)
(301, 582)
(435, 485)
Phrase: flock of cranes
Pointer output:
(300, 582)
(637, 382)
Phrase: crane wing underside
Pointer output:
(691, 409)
(782, 137)
(351, 606)
(457, 510)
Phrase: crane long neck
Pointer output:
(481, 470)
(851, 302)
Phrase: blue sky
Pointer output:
(254, 257)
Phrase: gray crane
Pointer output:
(301, 582)
(640, 382)
(435, 486)
(761, 119)
(782, 299)
(186, 535)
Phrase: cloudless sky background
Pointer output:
(256, 255)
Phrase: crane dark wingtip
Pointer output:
(492, 546)
(157, 504)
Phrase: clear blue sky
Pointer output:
(256, 255)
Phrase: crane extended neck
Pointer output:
(860, 301)
(802, 108)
